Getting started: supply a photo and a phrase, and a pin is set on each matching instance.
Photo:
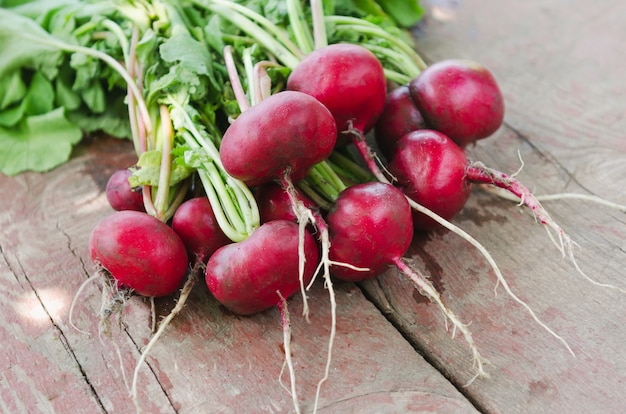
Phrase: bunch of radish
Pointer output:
(282, 198)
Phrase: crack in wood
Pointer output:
(374, 291)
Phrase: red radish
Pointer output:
(430, 169)
(140, 252)
(399, 117)
(435, 172)
(459, 98)
(195, 223)
(348, 79)
(370, 227)
(275, 203)
(246, 276)
(120, 195)
(287, 132)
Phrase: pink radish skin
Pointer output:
(288, 132)
(349, 80)
(370, 227)
(459, 98)
(195, 223)
(140, 251)
(245, 276)
(275, 204)
(120, 195)
(430, 169)
(399, 117)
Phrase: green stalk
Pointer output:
(308, 190)
(272, 37)
(365, 27)
(400, 60)
(233, 203)
(300, 30)
(344, 165)
(165, 138)
(319, 26)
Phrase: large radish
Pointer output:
(140, 252)
(285, 133)
(349, 80)
(460, 98)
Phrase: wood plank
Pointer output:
(208, 360)
(559, 65)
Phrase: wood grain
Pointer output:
(560, 67)
(560, 72)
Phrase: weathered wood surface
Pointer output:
(560, 66)
(208, 360)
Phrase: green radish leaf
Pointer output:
(22, 46)
(28, 145)
(13, 89)
(149, 169)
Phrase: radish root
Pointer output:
(427, 288)
(286, 324)
(480, 173)
(182, 299)
(369, 157)
(92, 278)
(304, 216)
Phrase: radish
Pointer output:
(459, 98)
(140, 252)
(286, 133)
(119, 193)
(399, 117)
(430, 169)
(275, 203)
(250, 276)
(370, 227)
(349, 80)
(195, 223)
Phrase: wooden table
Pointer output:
(561, 67)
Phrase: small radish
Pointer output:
(250, 276)
(275, 203)
(436, 173)
(370, 226)
(140, 252)
(459, 98)
(399, 117)
(195, 223)
(348, 79)
(285, 133)
(430, 169)
(120, 195)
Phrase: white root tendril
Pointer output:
(305, 216)
(333, 309)
(461, 233)
(427, 288)
(286, 324)
(564, 244)
(112, 304)
(184, 295)
(92, 278)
